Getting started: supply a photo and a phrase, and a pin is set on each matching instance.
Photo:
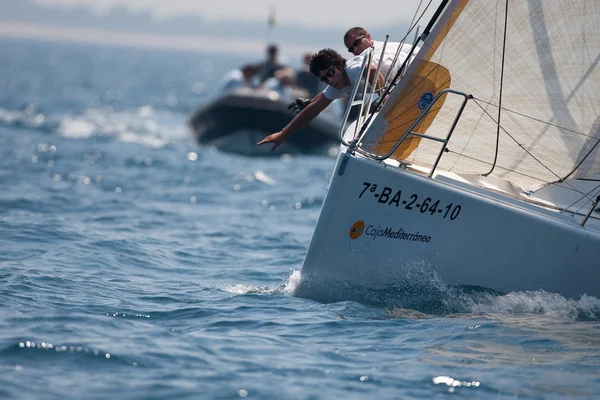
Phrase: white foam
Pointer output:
(76, 129)
(144, 125)
(292, 282)
(541, 302)
(260, 176)
(241, 288)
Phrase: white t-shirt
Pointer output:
(233, 79)
(352, 68)
(388, 57)
(286, 93)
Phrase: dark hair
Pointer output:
(272, 49)
(250, 68)
(325, 59)
(356, 31)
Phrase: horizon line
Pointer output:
(175, 42)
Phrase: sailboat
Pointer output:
(482, 167)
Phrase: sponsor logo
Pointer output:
(425, 100)
(399, 234)
(356, 229)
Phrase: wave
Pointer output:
(42, 351)
(143, 125)
(27, 119)
(431, 296)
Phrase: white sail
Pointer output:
(535, 61)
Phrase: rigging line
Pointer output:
(413, 25)
(537, 119)
(414, 16)
(559, 180)
(418, 19)
(581, 162)
(573, 189)
(586, 156)
(570, 96)
(501, 89)
(379, 102)
(506, 169)
(567, 187)
(516, 141)
(396, 78)
(588, 180)
(585, 195)
(544, 36)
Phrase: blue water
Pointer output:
(135, 264)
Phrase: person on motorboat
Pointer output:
(340, 75)
(241, 77)
(268, 67)
(306, 80)
(283, 83)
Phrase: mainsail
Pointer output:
(532, 67)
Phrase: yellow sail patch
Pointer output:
(428, 82)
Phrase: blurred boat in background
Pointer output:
(236, 120)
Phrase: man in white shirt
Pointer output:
(357, 40)
(340, 75)
(282, 83)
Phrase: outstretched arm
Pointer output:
(310, 112)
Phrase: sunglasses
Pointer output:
(328, 74)
(355, 43)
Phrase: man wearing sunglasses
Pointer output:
(340, 75)
(357, 40)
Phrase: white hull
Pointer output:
(471, 236)
(504, 114)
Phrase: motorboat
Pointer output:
(482, 167)
(236, 120)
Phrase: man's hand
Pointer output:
(275, 138)
(298, 105)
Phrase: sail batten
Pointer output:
(542, 57)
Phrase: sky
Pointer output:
(308, 13)
(311, 23)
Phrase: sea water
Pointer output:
(136, 264)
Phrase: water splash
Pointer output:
(292, 282)
(143, 125)
(241, 288)
(287, 287)
(430, 295)
(260, 176)
(542, 303)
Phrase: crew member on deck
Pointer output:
(340, 75)
(357, 40)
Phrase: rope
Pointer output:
(501, 89)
